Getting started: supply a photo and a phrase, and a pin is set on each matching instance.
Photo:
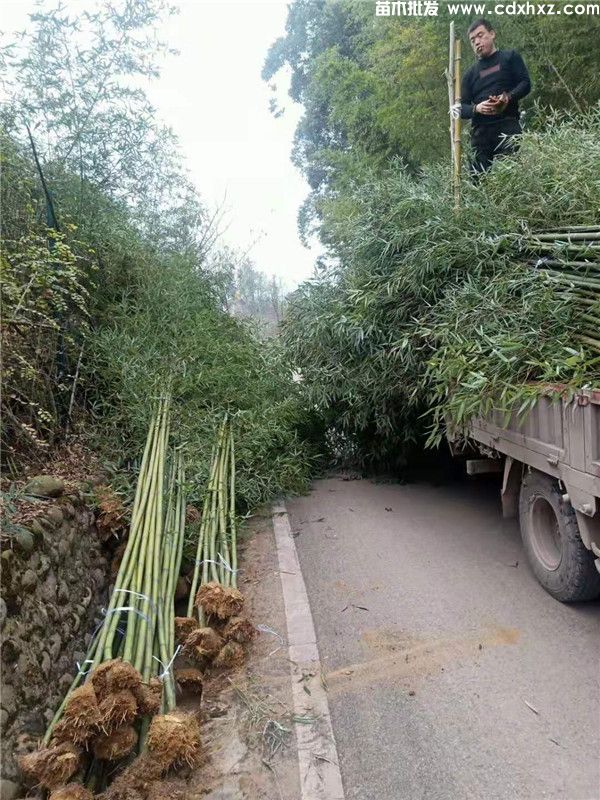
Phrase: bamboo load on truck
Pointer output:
(551, 449)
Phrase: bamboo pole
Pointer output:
(457, 151)
(232, 521)
(560, 236)
(450, 81)
(222, 504)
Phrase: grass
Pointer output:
(262, 715)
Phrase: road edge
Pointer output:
(320, 776)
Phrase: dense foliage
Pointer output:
(373, 88)
(419, 315)
(114, 282)
(438, 313)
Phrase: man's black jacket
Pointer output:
(503, 71)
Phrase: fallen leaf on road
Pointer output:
(535, 711)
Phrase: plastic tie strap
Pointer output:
(166, 670)
(81, 671)
(220, 562)
(126, 608)
(266, 629)
(145, 597)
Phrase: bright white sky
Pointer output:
(213, 97)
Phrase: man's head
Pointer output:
(482, 37)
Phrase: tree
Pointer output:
(373, 89)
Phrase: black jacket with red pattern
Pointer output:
(503, 71)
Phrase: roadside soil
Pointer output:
(246, 717)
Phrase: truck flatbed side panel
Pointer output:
(560, 438)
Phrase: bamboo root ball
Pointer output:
(72, 791)
(52, 766)
(118, 708)
(239, 629)
(230, 656)
(173, 790)
(174, 739)
(190, 678)
(148, 697)
(114, 675)
(81, 717)
(134, 781)
(203, 643)
(220, 601)
(183, 627)
(115, 745)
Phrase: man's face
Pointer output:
(483, 41)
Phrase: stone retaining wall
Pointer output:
(54, 578)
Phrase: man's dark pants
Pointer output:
(493, 140)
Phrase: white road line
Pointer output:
(320, 777)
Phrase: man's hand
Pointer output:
(495, 104)
(487, 107)
(500, 101)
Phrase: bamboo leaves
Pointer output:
(429, 315)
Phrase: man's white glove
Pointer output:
(455, 111)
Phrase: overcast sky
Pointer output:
(213, 97)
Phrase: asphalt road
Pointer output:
(451, 673)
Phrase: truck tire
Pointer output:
(556, 554)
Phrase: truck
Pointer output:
(550, 460)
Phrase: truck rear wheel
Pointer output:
(556, 554)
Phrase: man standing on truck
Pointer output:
(490, 94)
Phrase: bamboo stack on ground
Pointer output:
(138, 626)
(569, 257)
(216, 554)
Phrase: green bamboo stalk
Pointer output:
(136, 623)
(172, 551)
(591, 317)
(578, 281)
(222, 511)
(214, 521)
(575, 228)
(153, 601)
(571, 266)
(199, 552)
(545, 247)
(165, 609)
(176, 569)
(570, 236)
(590, 341)
(232, 519)
(144, 638)
(130, 559)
